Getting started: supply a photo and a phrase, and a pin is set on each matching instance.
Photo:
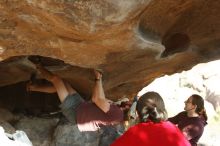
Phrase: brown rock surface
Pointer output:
(125, 39)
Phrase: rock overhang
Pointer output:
(125, 39)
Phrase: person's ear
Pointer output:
(195, 106)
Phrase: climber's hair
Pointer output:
(200, 108)
(151, 107)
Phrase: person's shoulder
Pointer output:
(147, 125)
(135, 128)
(168, 124)
(200, 121)
(182, 114)
(141, 125)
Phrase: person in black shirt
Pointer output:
(193, 120)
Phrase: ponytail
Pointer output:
(149, 114)
(200, 109)
(203, 114)
(150, 106)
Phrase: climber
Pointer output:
(87, 115)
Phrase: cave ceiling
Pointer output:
(132, 42)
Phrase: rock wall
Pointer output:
(55, 131)
(132, 41)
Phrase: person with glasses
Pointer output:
(192, 120)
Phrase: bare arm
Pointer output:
(63, 89)
(98, 95)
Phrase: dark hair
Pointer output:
(125, 106)
(200, 109)
(150, 106)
